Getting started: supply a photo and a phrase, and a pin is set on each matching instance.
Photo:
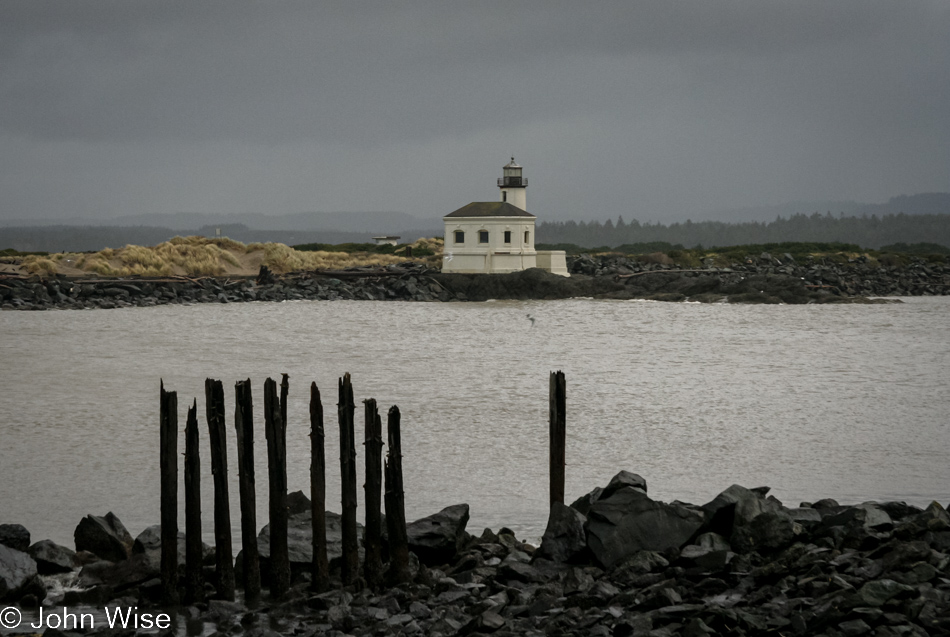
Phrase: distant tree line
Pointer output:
(869, 232)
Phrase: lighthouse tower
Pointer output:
(513, 186)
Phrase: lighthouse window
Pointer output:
(483, 236)
(504, 196)
(507, 236)
(526, 237)
(459, 236)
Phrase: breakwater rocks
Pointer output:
(789, 277)
(402, 283)
(615, 562)
(766, 279)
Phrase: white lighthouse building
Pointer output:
(491, 237)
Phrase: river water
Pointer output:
(843, 401)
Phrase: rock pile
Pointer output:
(396, 283)
(858, 277)
(766, 279)
(615, 562)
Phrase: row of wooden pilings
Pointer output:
(275, 430)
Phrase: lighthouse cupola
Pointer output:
(512, 185)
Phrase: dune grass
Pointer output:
(218, 256)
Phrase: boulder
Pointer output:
(770, 531)
(868, 515)
(629, 521)
(52, 558)
(565, 537)
(300, 540)
(736, 507)
(119, 575)
(436, 539)
(18, 575)
(584, 502)
(149, 543)
(623, 479)
(104, 536)
(15, 536)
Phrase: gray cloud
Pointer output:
(654, 110)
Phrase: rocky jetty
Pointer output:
(766, 279)
(614, 563)
(859, 276)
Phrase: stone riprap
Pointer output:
(766, 279)
(859, 276)
(742, 564)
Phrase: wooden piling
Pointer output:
(320, 574)
(168, 468)
(244, 428)
(284, 388)
(194, 581)
(395, 504)
(345, 412)
(372, 490)
(276, 434)
(224, 558)
(557, 434)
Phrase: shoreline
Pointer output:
(769, 280)
(614, 562)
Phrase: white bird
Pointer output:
(532, 319)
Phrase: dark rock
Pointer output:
(436, 539)
(149, 543)
(623, 479)
(565, 537)
(867, 515)
(52, 558)
(15, 536)
(629, 521)
(300, 541)
(878, 592)
(735, 507)
(770, 531)
(520, 571)
(18, 575)
(104, 536)
(584, 502)
(119, 575)
(488, 622)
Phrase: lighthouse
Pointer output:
(513, 185)
(494, 237)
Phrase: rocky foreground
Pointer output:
(615, 562)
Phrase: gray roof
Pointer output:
(489, 209)
(511, 164)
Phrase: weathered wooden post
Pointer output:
(194, 582)
(557, 433)
(395, 505)
(372, 489)
(168, 468)
(345, 412)
(244, 427)
(276, 433)
(284, 388)
(320, 575)
(224, 559)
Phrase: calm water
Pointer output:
(848, 402)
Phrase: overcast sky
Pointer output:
(651, 110)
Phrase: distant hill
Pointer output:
(364, 222)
